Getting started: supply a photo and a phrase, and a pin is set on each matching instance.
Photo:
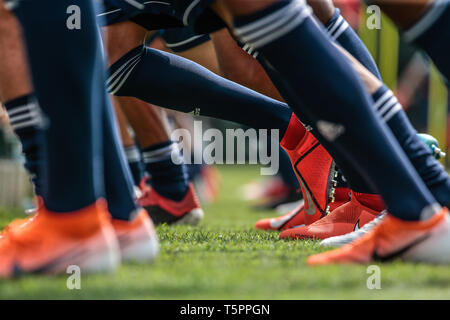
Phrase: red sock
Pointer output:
(372, 201)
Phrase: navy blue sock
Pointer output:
(317, 80)
(340, 31)
(193, 170)
(135, 163)
(118, 178)
(428, 168)
(420, 155)
(180, 84)
(27, 121)
(67, 69)
(168, 174)
(432, 34)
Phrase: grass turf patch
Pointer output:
(225, 258)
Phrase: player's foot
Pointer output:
(284, 208)
(50, 242)
(297, 216)
(415, 241)
(288, 196)
(162, 210)
(314, 168)
(339, 241)
(263, 189)
(346, 218)
(137, 238)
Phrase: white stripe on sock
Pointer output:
(26, 107)
(113, 90)
(392, 112)
(33, 122)
(267, 20)
(167, 150)
(283, 19)
(133, 154)
(176, 44)
(335, 25)
(188, 12)
(275, 34)
(341, 30)
(135, 4)
(119, 71)
(28, 115)
(386, 106)
(25, 115)
(382, 99)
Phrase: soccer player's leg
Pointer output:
(168, 196)
(425, 23)
(196, 88)
(133, 228)
(231, 57)
(16, 94)
(132, 151)
(171, 198)
(73, 225)
(240, 67)
(278, 48)
(421, 156)
(198, 48)
(343, 33)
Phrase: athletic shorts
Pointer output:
(164, 14)
(182, 39)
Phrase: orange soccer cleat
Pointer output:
(50, 242)
(137, 238)
(416, 241)
(163, 210)
(314, 168)
(346, 218)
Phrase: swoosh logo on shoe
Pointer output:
(356, 228)
(311, 210)
(398, 253)
(278, 222)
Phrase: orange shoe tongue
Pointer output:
(372, 201)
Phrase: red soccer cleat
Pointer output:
(296, 217)
(162, 210)
(346, 218)
(314, 168)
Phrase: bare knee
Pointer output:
(120, 38)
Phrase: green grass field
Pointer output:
(225, 258)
